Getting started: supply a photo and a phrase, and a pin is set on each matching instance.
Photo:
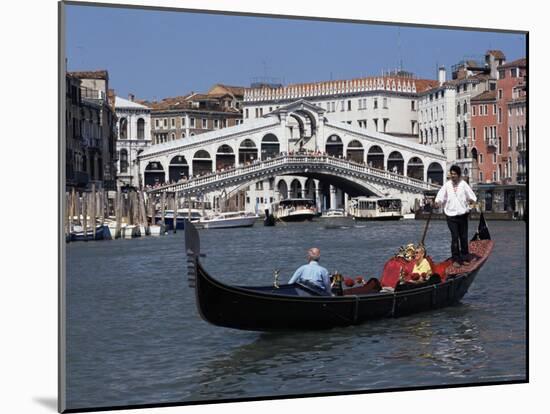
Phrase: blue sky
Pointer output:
(156, 54)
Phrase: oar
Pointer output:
(426, 226)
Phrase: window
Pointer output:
(465, 125)
(224, 123)
(342, 107)
(458, 129)
(260, 185)
(481, 158)
(216, 123)
(494, 109)
(362, 123)
(375, 124)
(494, 175)
(173, 122)
(172, 136)
(485, 109)
(261, 111)
(246, 113)
(413, 105)
(473, 110)
(204, 123)
(500, 94)
(494, 157)
(333, 106)
(349, 105)
(328, 106)
(375, 103)
(458, 109)
(270, 109)
(165, 122)
(360, 104)
(465, 110)
(183, 121)
(481, 176)
(509, 138)
(256, 112)
(473, 134)
(192, 122)
(156, 123)
(385, 103)
(501, 74)
(500, 115)
(500, 145)
(514, 72)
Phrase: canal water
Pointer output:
(134, 335)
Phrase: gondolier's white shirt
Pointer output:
(455, 201)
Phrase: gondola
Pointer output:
(297, 307)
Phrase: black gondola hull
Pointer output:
(290, 307)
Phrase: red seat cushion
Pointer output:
(392, 269)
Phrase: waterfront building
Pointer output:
(133, 136)
(97, 128)
(385, 104)
(75, 166)
(501, 158)
(193, 114)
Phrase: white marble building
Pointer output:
(385, 104)
(133, 136)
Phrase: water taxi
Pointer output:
(228, 220)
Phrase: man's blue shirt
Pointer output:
(314, 273)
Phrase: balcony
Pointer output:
(521, 147)
(492, 142)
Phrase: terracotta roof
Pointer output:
(235, 90)
(485, 96)
(521, 63)
(97, 74)
(496, 53)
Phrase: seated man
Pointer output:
(312, 274)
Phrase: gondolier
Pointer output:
(455, 196)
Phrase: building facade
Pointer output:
(97, 128)
(386, 104)
(186, 116)
(133, 136)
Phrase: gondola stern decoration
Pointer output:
(193, 251)
(482, 229)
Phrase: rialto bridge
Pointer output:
(296, 152)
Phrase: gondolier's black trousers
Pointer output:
(459, 236)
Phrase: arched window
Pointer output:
(141, 128)
(123, 128)
(355, 151)
(248, 152)
(123, 161)
(270, 146)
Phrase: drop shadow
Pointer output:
(48, 402)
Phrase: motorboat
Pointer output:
(228, 220)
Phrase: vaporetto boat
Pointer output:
(295, 209)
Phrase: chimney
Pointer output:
(131, 97)
(442, 75)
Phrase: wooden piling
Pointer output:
(84, 215)
(174, 209)
(162, 207)
(92, 211)
(118, 212)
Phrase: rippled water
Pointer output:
(134, 335)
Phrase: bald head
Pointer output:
(313, 254)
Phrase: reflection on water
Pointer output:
(135, 337)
